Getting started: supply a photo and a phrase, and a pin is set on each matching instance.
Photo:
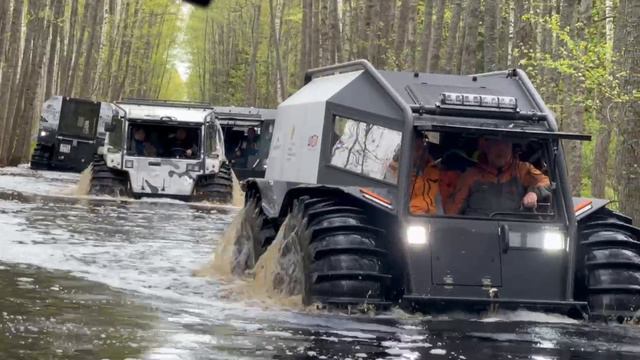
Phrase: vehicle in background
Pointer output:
(247, 133)
(163, 149)
(70, 132)
(436, 192)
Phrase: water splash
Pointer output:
(234, 252)
(278, 275)
(84, 183)
(238, 194)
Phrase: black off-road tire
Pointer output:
(107, 181)
(345, 263)
(41, 157)
(216, 187)
(610, 278)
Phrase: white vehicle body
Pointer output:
(163, 174)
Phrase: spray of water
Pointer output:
(277, 277)
(238, 194)
(84, 183)
(279, 273)
(234, 253)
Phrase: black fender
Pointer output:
(586, 208)
(277, 196)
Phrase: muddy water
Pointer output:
(100, 279)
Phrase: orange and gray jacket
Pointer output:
(483, 190)
(425, 191)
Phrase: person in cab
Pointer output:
(181, 145)
(498, 183)
(140, 145)
(425, 176)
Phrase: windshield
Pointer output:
(164, 141)
(456, 174)
(79, 119)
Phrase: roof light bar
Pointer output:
(489, 101)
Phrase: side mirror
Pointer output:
(109, 126)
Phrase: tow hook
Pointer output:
(493, 294)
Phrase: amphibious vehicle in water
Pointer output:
(71, 130)
(163, 149)
(247, 136)
(436, 192)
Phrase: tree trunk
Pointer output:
(383, 34)
(5, 21)
(411, 52)
(572, 114)
(315, 34)
(504, 29)
(305, 46)
(365, 28)
(468, 64)
(426, 36)
(491, 16)
(276, 40)
(452, 37)
(10, 77)
(436, 45)
(252, 82)
(325, 43)
(600, 163)
(401, 33)
(30, 70)
(336, 36)
(93, 47)
(628, 152)
(58, 15)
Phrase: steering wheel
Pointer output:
(178, 152)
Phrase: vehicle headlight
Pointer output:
(416, 235)
(43, 133)
(193, 167)
(553, 240)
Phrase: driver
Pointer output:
(499, 183)
(181, 145)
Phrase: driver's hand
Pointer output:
(530, 200)
(188, 152)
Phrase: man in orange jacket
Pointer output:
(425, 191)
(499, 183)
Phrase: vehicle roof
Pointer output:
(426, 89)
(156, 112)
(358, 86)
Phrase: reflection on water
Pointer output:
(53, 315)
(87, 278)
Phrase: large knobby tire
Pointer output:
(344, 262)
(107, 181)
(611, 266)
(41, 157)
(216, 187)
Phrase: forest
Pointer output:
(583, 56)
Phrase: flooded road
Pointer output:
(89, 278)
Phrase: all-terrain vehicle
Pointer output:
(71, 130)
(341, 185)
(163, 149)
(247, 133)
